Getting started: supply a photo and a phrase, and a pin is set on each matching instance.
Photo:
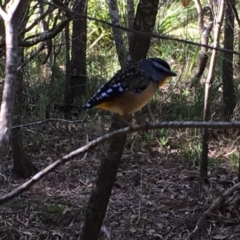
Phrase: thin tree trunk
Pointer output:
(68, 97)
(237, 65)
(208, 83)
(229, 95)
(130, 18)
(101, 192)
(22, 165)
(144, 22)
(79, 46)
(11, 29)
(117, 33)
(203, 56)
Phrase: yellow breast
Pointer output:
(130, 102)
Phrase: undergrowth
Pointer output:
(176, 101)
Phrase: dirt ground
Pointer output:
(157, 194)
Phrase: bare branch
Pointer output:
(17, 8)
(36, 178)
(36, 21)
(214, 205)
(153, 35)
(47, 121)
(33, 55)
(208, 87)
(64, 7)
(200, 15)
(3, 14)
(46, 35)
(149, 126)
(235, 13)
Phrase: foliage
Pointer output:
(149, 157)
(176, 101)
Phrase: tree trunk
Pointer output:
(11, 20)
(101, 192)
(117, 33)
(68, 97)
(79, 45)
(144, 21)
(229, 95)
(130, 18)
(208, 84)
(203, 55)
(21, 164)
(237, 65)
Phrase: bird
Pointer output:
(132, 87)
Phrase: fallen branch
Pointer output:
(214, 205)
(37, 177)
(149, 126)
(47, 121)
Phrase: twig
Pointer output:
(37, 177)
(3, 14)
(46, 121)
(208, 89)
(153, 35)
(150, 126)
(214, 205)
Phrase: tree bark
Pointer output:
(22, 165)
(203, 55)
(130, 18)
(101, 192)
(208, 84)
(229, 95)
(11, 20)
(144, 21)
(67, 94)
(117, 33)
(79, 45)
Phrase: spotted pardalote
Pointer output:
(131, 88)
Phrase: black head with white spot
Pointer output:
(156, 68)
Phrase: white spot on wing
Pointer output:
(117, 85)
(104, 94)
(109, 90)
(120, 89)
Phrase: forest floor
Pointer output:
(157, 193)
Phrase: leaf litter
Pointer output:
(157, 193)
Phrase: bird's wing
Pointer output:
(127, 79)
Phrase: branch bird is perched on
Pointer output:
(131, 88)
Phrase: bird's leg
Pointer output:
(124, 120)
